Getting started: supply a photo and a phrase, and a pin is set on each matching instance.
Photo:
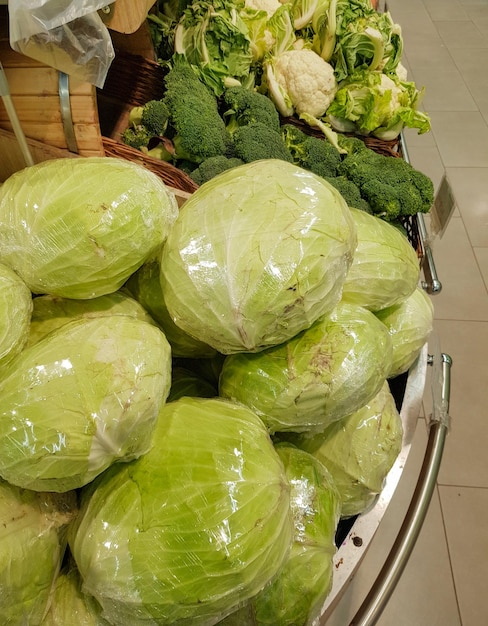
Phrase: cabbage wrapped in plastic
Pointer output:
(70, 606)
(193, 528)
(296, 595)
(145, 286)
(51, 312)
(78, 228)
(15, 314)
(359, 451)
(385, 269)
(32, 545)
(410, 324)
(256, 255)
(85, 396)
(324, 373)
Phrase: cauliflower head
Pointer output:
(303, 80)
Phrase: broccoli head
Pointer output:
(258, 141)
(155, 117)
(350, 192)
(313, 154)
(242, 106)
(212, 166)
(197, 130)
(136, 137)
(391, 186)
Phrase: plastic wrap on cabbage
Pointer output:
(256, 255)
(410, 324)
(296, 596)
(385, 269)
(78, 228)
(191, 529)
(145, 287)
(51, 312)
(184, 382)
(85, 396)
(70, 606)
(318, 377)
(32, 545)
(359, 451)
(15, 314)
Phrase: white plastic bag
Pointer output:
(69, 36)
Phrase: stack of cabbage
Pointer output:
(184, 394)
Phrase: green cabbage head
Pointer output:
(256, 255)
(85, 396)
(32, 545)
(324, 373)
(70, 606)
(410, 324)
(78, 228)
(51, 312)
(190, 530)
(145, 286)
(15, 314)
(297, 594)
(359, 451)
(385, 270)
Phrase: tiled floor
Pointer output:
(445, 581)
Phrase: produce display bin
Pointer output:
(92, 125)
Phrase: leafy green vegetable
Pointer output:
(385, 270)
(191, 529)
(410, 324)
(327, 371)
(78, 228)
(145, 286)
(297, 595)
(32, 545)
(15, 314)
(70, 605)
(83, 397)
(373, 102)
(213, 38)
(256, 255)
(359, 451)
(51, 312)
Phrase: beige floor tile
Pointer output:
(464, 459)
(461, 34)
(425, 593)
(470, 188)
(446, 10)
(465, 512)
(463, 295)
(462, 138)
(468, 61)
(445, 90)
(482, 258)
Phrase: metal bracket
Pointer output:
(66, 117)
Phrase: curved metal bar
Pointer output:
(431, 284)
(65, 106)
(379, 594)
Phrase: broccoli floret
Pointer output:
(136, 137)
(258, 141)
(154, 117)
(213, 166)
(197, 130)
(390, 185)
(351, 144)
(350, 192)
(313, 154)
(242, 106)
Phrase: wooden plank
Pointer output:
(126, 16)
(46, 109)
